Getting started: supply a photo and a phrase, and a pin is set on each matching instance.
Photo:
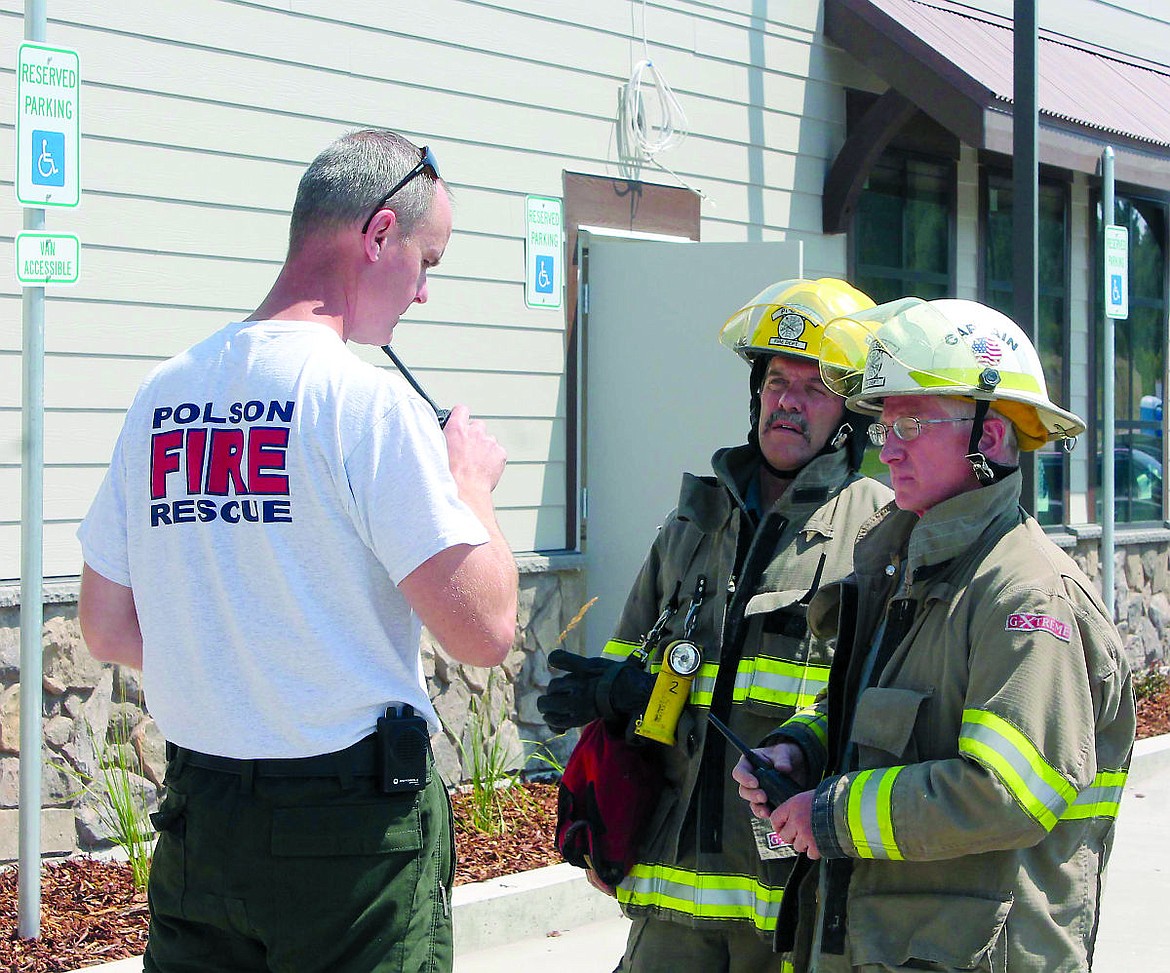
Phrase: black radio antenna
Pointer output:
(441, 414)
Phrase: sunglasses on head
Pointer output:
(426, 162)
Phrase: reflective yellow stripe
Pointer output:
(787, 967)
(1101, 799)
(816, 723)
(868, 814)
(702, 895)
(618, 649)
(779, 682)
(703, 686)
(1020, 381)
(1038, 787)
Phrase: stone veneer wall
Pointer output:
(80, 693)
(1141, 606)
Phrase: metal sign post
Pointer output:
(48, 137)
(1115, 281)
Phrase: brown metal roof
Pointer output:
(955, 64)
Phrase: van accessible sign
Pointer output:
(47, 258)
(48, 126)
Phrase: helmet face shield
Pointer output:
(946, 347)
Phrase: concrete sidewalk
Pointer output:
(552, 918)
(1135, 927)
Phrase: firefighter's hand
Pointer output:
(785, 757)
(792, 821)
(591, 689)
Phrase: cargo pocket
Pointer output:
(168, 865)
(883, 726)
(338, 831)
(928, 931)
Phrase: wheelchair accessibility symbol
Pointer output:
(544, 274)
(48, 155)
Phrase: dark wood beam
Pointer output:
(881, 123)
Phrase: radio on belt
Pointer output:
(403, 742)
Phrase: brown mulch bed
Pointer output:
(90, 913)
(1153, 707)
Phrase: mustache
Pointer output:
(791, 418)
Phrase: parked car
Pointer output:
(1137, 485)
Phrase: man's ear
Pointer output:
(382, 226)
(995, 433)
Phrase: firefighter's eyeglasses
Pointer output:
(426, 162)
(906, 428)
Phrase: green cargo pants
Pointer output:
(659, 946)
(299, 875)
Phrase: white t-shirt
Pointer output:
(266, 494)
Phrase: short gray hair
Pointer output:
(349, 178)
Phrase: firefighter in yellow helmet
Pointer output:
(730, 573)
(964, 772)
(788, 319)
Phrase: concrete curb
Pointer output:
(533, 903)
(1150, 758)
(557, 897)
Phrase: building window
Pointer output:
(902, 240)
(1140, 357)
(1052, 307)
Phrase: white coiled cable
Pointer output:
(650, 136)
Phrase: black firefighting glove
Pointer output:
(593, 688)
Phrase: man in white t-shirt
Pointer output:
(278, 522)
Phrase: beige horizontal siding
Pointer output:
(197, 120)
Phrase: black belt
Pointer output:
(359, 760)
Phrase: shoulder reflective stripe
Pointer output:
(618, 649)
(779, 682)
(787, 967)
(868, 816)
(1013, 758)
(1101, 799)
(816, 723)
(701, 895)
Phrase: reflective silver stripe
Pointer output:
(1038, 787)
(869, 814)
(779, 682)
(1101, 799)
(701, 895)
(703, 686)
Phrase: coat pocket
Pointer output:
(883, 726)
(928, 931)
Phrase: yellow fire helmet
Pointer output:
(788, 318)
(945, 347)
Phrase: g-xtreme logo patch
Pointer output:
(1027, 622)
